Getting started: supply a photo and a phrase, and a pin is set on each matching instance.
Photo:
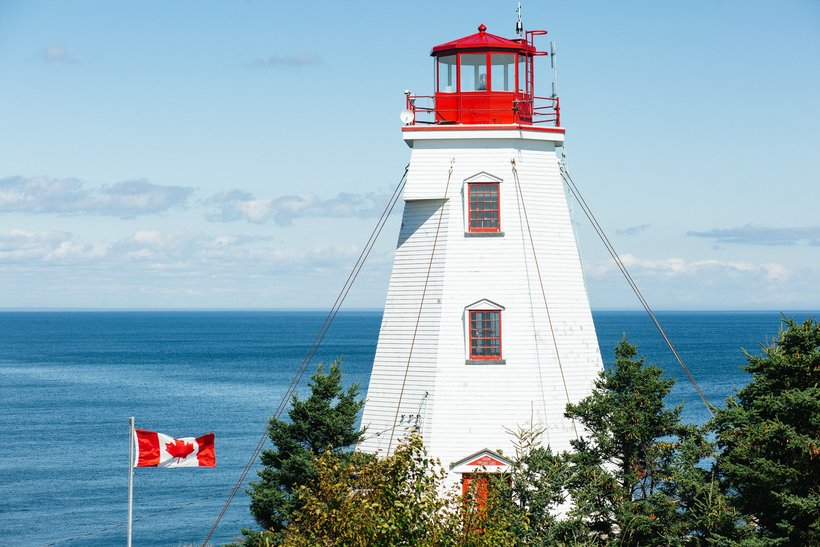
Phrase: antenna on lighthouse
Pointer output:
(554, 66)
(519, 25)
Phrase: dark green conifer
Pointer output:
(770, 439)
(624, 454)
(325, 420)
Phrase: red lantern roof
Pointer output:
(483, 41)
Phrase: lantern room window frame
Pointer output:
(485, 79)
(516, 86)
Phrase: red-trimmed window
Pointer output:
(484, 209)
(485, 335)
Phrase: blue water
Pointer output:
(70, 380)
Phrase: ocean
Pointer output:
(70, 381)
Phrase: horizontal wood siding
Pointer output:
(470, 405)
(402, 312)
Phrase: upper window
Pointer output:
(473, 72)
(522, 74)
(484, 208)
(503, 71)
(485, 335)
(447, 74)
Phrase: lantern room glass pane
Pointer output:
(473, 72)
(447, 74)
(503, 71)
(522, 73)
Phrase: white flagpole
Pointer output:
(130, 475)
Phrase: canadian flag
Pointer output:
(159, 450)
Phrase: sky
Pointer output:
(238, 154)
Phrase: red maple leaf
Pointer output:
(179, 449)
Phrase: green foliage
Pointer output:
(636, 476)
(324, 422)
(397, 500)
(525, 502)
(403, 499)
(619, 465)
(770, 439)
(703, 514)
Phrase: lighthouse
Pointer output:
(487, 324)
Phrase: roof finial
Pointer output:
(482, 27)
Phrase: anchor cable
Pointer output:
(543, 291)
(317, 340)
(421, 303)
(621, 266)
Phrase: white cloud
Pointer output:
(705, 269)
(166, 268)
(134, 197)
(239, 205)
(126, 199)
(172, 249)
(322, 258)
(762, 235)
(69, 250)
(56, 53)
(678, 283)
(22, 245)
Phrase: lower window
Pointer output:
(485, 335)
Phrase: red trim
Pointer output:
(147, 448)
(485, 104)
(483, 127)
(485, 336)
(483, 40)
(206, 455)
(487, 460)
(484, 193)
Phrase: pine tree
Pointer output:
(770, 439)
(525, 501)
(619, 465)
(703, 513)
(324, 421)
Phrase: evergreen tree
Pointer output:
(526, 500)
(770, 439)
(704, 515)
(324, 421)
(624, 455)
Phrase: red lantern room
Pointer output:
(485, 79)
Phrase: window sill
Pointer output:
(485, 362)
(483, 234)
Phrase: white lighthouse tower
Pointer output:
(487, 324)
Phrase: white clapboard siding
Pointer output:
(403, 317)
(463, 408)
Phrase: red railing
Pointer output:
(533, 111)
